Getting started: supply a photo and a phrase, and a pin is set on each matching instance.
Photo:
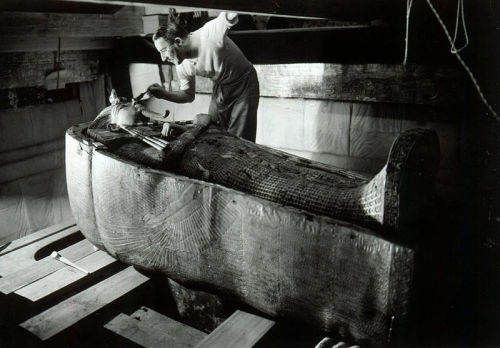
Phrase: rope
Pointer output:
(408, 10)
(460, 8)
(464, 65)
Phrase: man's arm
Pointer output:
(174, 96)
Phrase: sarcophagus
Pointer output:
(288, 236)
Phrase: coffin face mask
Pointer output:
(124, 113)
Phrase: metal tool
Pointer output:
(155, 140)
(64, 260)
(147, 139)
(139, 97)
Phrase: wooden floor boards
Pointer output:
(48, 303)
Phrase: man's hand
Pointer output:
(156, 91)
(172, 130)
(165, 130)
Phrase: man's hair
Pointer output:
(172, 30)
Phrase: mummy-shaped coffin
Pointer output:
(290, 237)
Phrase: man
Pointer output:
(208, 52)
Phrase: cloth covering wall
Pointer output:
(33, 192)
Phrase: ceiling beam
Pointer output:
(359, 10)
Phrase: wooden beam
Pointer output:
(57, 7)
(385, 83)
(126, 22)
(29, 69)
(45, 44)
(335, 9)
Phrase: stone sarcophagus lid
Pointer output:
(287, 236)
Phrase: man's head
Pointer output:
(169, 40)
(170, 52)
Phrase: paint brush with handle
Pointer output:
(64, 260)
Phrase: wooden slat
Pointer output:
(152, 329)
(241, 329)
(28, 69)
(36, 236)
(67, 313)
(45, 266)
(24, 257)
(44, 44)
(395, 83)
(125, 22)
(65, 276)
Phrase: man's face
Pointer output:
(170, 53)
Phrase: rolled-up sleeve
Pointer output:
(186, 74)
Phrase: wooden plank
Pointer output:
(126, 22)
(45, 266)
(25, 257)
(241, 329)
(28, 69)
(43, 44)
(65, 276)
(69, 312)
(37, 236)
(395, 83)
(152, 329)
(57, 7)
(363, 10)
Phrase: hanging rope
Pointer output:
(456, 53)
(460, 14)
(408, 10)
